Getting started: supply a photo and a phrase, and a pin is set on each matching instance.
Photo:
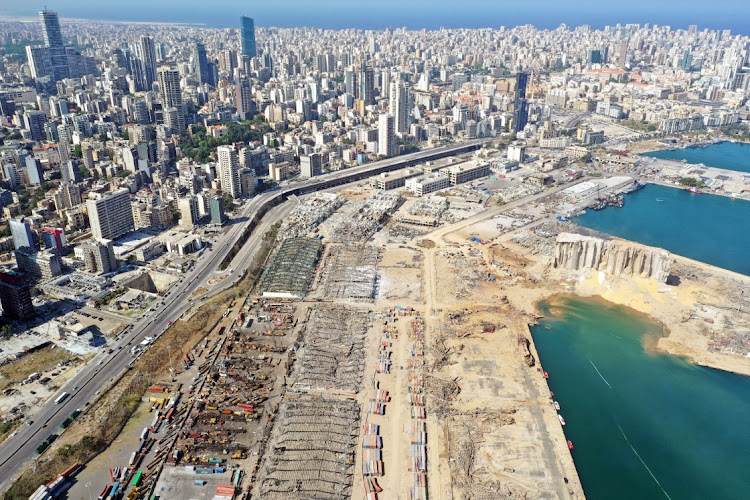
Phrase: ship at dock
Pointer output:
(637, 186)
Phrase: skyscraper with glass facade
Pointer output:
(54, 41)
(248, 36)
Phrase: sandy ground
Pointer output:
(502, 418)
(694, 313)
(499, 437)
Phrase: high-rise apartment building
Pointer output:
(39, 265)
(54, 41)
(229, 167)
(244, 99)
(622, 53)
(399, 106)
(200, 59)
(217, 210)
(54, 238)
(594, 57)
(68, 196)
(365, 83)
(99, 256)
(386, 135)
(22, 235)
(521, 107)
(148, 62)
(311, 165)
(188, 207)
(349, 82)
(34, 122)
(34, 171)
(110, 214)
(15, 297)
(248, 36)
(39, 61)
(171, 95)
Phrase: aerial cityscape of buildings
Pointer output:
(136, 156)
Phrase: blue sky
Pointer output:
(731, 14)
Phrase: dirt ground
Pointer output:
(38, 361)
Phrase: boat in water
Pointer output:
(556, 405)
(637, 185)
(616, 200)
(562, 420)
(599, 204)
(610, 200)
(570, 444)
(660, 200)
(695, 190)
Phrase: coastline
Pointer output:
(708, 191)
(655, 145)
(670, 342)
(524, 277)
(670, 307)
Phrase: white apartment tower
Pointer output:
(399, 106)
(386, 135)
(229, 168)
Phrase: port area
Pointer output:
(385, 362)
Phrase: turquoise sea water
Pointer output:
(727, 155)
(708, 228)
(644, 425)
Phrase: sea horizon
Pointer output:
(367, 20)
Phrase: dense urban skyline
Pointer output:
(227, 247)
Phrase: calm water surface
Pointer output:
(727, 155)
(644, 425)
(704, 227)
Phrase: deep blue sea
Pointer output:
(704, 227)
(644, 425)
(727, 155)
(418, 14)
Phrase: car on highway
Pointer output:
(169, 322)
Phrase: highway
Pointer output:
(19, 449)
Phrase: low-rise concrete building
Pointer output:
(425, 184)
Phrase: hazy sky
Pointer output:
(731, 14)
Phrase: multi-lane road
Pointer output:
(82, 388)
(19, 449)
